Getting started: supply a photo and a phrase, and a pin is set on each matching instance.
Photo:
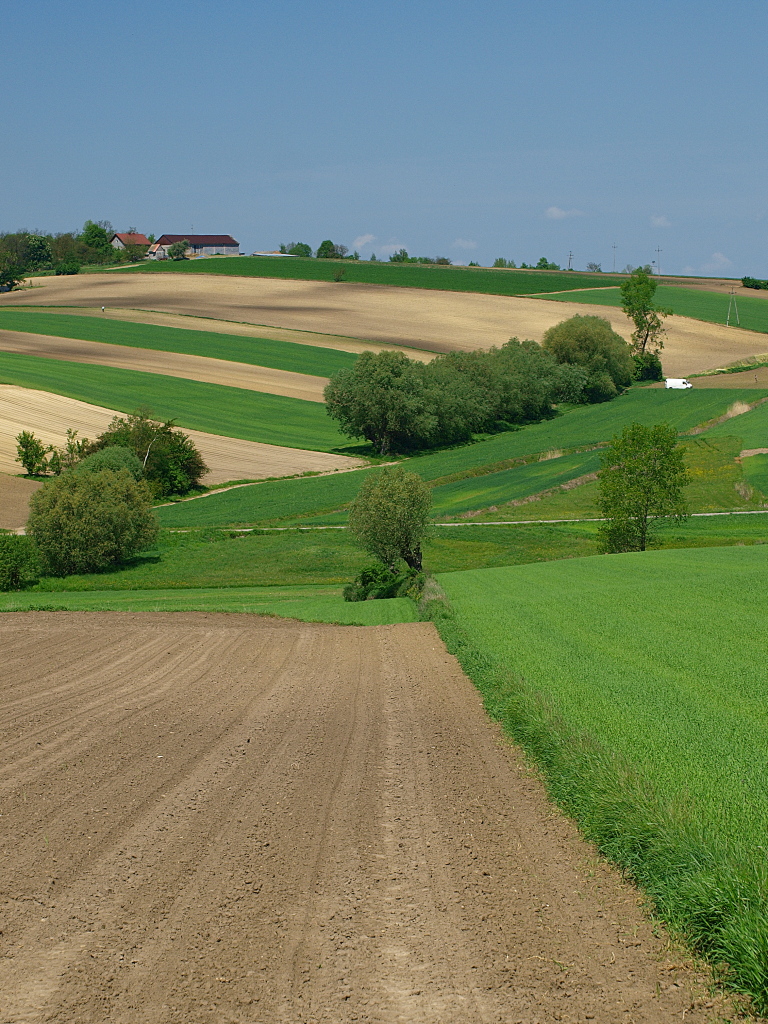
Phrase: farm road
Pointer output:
(211, 818)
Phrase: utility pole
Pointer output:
(570, 257)
(732, 302)
(614, 257)
(658, 260)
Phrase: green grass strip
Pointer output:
(214, 408)
(278, 355)
(401, 275)
(637, 683)
(699, 305)
(309, 604)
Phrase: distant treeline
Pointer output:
(754, 282)
(25, 252)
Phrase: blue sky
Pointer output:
(466, 128)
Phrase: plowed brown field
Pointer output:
(228, 458)
(226, 819)
(15, 493)
(438, 321)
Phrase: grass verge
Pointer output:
(635, 682)
(309, 604)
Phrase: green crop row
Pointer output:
(278, 355)
(692, 302)
(401, 275)
(214, 408)
(637, 681)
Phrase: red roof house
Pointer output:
(120, 240)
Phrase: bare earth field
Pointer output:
(432, 320)
(170, 364)
(212, 818)
(15, 493)
(48, 416)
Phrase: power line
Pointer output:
(732, 302)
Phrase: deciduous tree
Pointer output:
(641, 485)
(637, 294)
(591, 342)
(390, 514)
(178, 250)
(31, 453)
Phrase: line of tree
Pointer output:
(400, 404)
(328, 250)
(754, 282)
(26, 252)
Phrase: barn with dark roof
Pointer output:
(199, 245)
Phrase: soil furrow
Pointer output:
(283, 822)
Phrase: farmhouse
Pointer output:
(123, 240)
(199, 245)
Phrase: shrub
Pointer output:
(647, 366)
(67, 267)
(378, 581)
(18, 562)
(90, 522)
(115, 458)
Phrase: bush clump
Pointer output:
(170, 460)
(377, 581)
(115, 458)
(591, 343)
(18, 562)
(90, 522)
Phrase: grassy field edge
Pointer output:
(713, 897)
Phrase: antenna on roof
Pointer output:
(732, 302)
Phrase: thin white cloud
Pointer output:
(387, 249)
(555, 213)
(660, 222)
(363, 240)
(717, 263)
(464, 243)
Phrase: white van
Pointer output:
(677, 382)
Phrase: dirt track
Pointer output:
(225, 819)
(228, 458)
(434, 320)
